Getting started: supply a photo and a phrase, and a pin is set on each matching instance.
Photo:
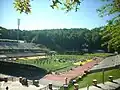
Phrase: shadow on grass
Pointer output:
(22, 70)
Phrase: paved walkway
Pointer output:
(107, 86)
(108, 62)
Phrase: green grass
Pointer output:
(99, 54)
(48, 64)
(85, 56)
(59, 62)
(88, 79)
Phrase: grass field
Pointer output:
(59, 62)
(88, 79)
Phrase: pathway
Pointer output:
(108, 62)
(60, 79)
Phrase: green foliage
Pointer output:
(22, 6)
(61, 40)
(110, 34)
(67, 5)
(112, 7)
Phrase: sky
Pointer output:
(44, 17)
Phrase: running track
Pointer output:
(79, 71)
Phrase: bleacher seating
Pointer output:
(12, 45)
(20, 49)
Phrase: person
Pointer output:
(116, 53)
(7, 88)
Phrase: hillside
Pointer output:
(61, 40)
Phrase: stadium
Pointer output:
(54, 50)
(15, 58)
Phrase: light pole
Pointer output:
(103, 75)
(18, 30)
(0, 36)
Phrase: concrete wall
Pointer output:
(105, 69)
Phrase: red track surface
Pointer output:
(79, 71)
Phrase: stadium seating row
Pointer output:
(12, 45)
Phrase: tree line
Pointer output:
(61, 40)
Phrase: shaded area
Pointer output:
(21, 70)
(118, 88)
(100, 87)
(116, 82)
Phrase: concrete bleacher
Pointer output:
(24, 54)
(14, 84)
(14, 45)
(13, 49)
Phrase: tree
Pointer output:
(60, 40)
(111, 30)
(68, 5)
(111, 36)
